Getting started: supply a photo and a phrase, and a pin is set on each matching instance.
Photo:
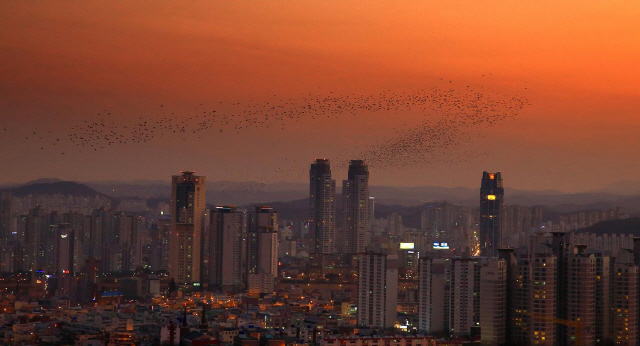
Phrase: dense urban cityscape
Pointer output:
(82, 270)
(319, 173)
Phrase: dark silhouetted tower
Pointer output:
(491, 203)
(355, 207)
(322, 191)
(262, 249)
(5, 214)
(187, 225)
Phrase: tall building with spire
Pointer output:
(355, 207)
(187, 225)
(491, 205)
(322, 190)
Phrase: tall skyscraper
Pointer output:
(322, 191)
(491, 203)
(377, 290)
(187, 213)
(355, 207)
(262, 249)
(224, 248)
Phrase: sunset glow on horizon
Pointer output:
(576, 63)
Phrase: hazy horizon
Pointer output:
(304, 184)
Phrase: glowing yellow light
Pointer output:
(492, 176)
(491, 197)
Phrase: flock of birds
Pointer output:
(459, 117)
(449, 116)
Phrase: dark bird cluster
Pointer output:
(437, 140)
(457, 111)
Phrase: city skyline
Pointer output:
(488, 275)
(320, 173)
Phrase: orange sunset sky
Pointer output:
(64, 62)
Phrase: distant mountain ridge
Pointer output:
(625, 187)
(43, 181)
(244, 193)
(56, 188)
(624, 226)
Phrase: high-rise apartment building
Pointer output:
(449, 295)
(224, 249)
(519, 321)
(372, 209)
(439, 219)
(355, 207)
(558, 294)
(493, 302)
(322, 190)
(581, 296)
(464, 286)
(6, 214)
(160, 249)
(11, 256)
(625, 304)
(129, 247)
(92, 235)
(519, 222)
(491, 204)
(542, 299)
(431, 290)
(38, 238)
(560, 248)
(187, 224)
(377, 290)
(603, 287)
(395, 227)
(113, 238)
(65, 249)
(262, 249)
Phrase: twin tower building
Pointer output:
(355, 208)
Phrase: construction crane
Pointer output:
(576, 324)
